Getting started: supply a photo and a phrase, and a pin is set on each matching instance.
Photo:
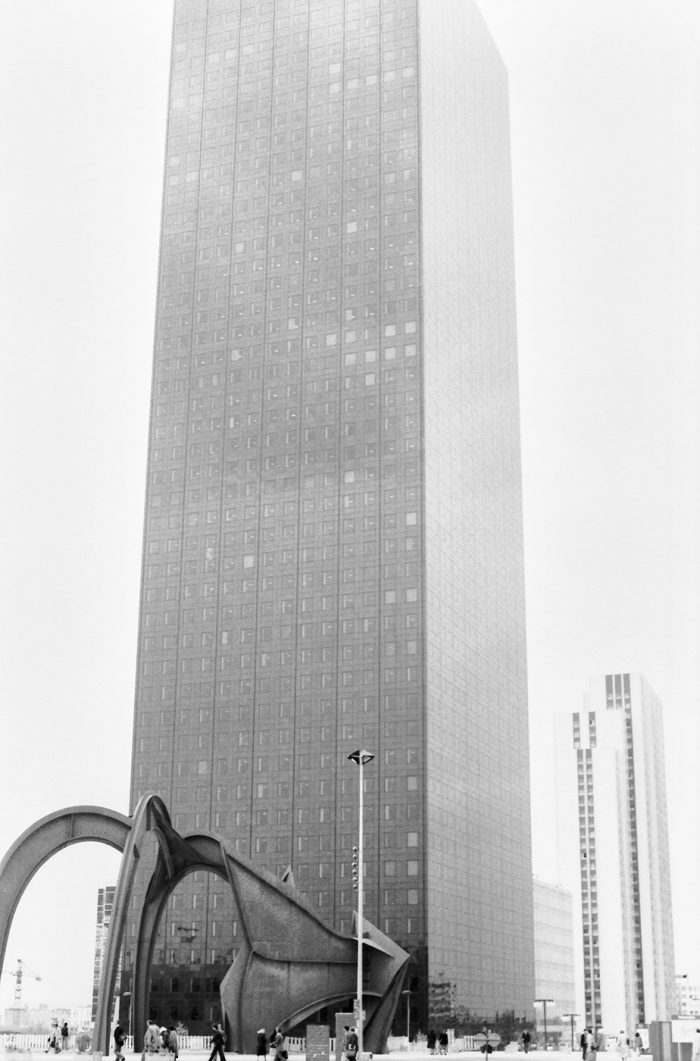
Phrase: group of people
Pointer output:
(155, 1041)
(437, 1042)
(275, 1043)
(165, 1041)
(64, 1036)
(350, 1044)
(160, 1040)
(626, 1045)
(588, 1044)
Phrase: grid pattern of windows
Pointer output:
(589, 887)
(105, 902)
(285, 585)
(623, 843)
(478, 811)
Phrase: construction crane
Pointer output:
(18, 974)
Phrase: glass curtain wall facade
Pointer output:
(333, 531)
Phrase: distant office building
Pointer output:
(33, 1019)
(16, 1017)
(613, 829)
(554, 956)
(81, 1018)
(333, 552)
(687, 998)
(105, 902)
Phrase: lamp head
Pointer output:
(361, 757)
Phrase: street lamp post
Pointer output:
(572, 1016)
(407, 993)
(127, 994)
(544, 1002)
(361, 758)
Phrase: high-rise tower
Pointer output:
(105, 904)
(613, 838)
(333, 551)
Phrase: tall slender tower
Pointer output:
(613, 836)
(105, 904)
(333, 551)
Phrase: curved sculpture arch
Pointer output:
(289, 960)
(45, 838)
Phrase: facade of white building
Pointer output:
(613, 847)
(687, 998)
(105, 902)
(554, 956)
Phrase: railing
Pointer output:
(23, 1042)
(10, 1041)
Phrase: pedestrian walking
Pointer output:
(595, 1044)
(527, 1039)
(173, 1044)
(432, 1039)
(351, 1044)
(638, 1044)
(151, 1038)
(65, 1035)
(343, 1053)
(442, 1042)
(119, 1040)
(261, 1043)
(278, 1044)
(217, 1043)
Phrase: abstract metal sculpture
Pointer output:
(289, 962)
(45, 838)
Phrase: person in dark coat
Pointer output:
(351, 1044)
(119, 1040)
(261, 1043)
(217, 1043)
(432, 1039)
(527, 1039)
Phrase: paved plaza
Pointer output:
(412, 1054)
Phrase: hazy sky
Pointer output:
(605, 113)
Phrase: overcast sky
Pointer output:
(605, 114)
